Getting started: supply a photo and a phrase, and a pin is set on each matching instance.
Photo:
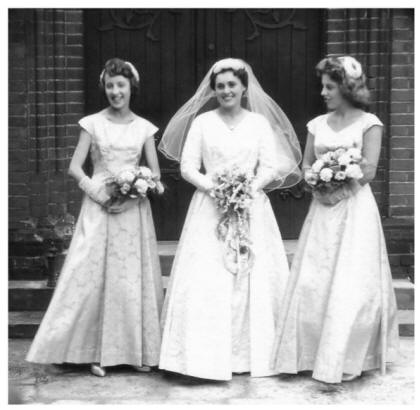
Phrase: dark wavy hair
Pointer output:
(240, 73)
(354, 90)
(116, 66)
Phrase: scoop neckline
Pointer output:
(347, 126)
(117, 123)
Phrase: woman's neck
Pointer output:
(232, 112)
(346, 111)
(121, 114)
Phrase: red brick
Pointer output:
(402, 164)
(401, 200)
(402, 153)
(401, 142)
(402, 95)
(402, 119)
(402, 107)
(403, 34)
(400, 188)
(402, 83)
(402, 70)
(401, 211)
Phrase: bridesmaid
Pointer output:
(106, 307)
(339, 314)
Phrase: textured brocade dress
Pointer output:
(107, 303)
(213, 327)
(340, 313)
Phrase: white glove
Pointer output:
(95, 189)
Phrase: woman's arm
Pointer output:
(153, 163)
(309, 154)
(151, 157)
(95, 189)
(79, 156)
(372, 140)
(191, 160)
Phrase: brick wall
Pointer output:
(383, 40)
(401, 171)
(45, 101)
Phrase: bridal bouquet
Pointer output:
(131, 182)
(233, 196)
(334, 169)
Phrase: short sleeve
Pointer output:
(87, 123)
(150, 129)
(371, 120)
(312, 125)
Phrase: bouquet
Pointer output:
(131, 182)
(334, 169)
(233, 196)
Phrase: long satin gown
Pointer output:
(216, 324)
(339, 314)
(107, 303)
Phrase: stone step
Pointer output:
(25, 324)
(36, 295)
(32, 267)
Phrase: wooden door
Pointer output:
(174, 48)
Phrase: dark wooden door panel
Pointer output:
(174, 48)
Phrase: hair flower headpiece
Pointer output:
(352, 67)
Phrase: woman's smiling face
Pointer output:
(117, 91)
(229, 90)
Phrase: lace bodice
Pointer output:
(210, 142)
(326, 139)
(115, 146)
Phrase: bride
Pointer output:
(218, 320)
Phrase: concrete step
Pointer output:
(32, 267)
(36, 295)
(25, 324)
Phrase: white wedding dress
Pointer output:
(215, 324)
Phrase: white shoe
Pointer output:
(97, 370)
(142, 369)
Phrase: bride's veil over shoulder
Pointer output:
(288, 151)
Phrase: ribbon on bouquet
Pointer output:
(234, 231)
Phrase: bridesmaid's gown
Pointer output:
(107, 303)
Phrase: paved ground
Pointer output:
(73, 384)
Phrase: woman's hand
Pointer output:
(118, 207)
(160, 189)
(333, 197)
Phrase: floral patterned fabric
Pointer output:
(339, 313)
(214, 322)
(107, 303)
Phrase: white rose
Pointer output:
(311, 177)
(326, 174)
(317, 165)
(354, 171)
(141, 186)
(125, 176)
(338, 152)
(340, 176)
(328, 157)
(355, 154)
(351, 66)
(344, 159)
(146, 172)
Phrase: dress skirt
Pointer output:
(215, 322)
(107, 302)
(340, 313)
